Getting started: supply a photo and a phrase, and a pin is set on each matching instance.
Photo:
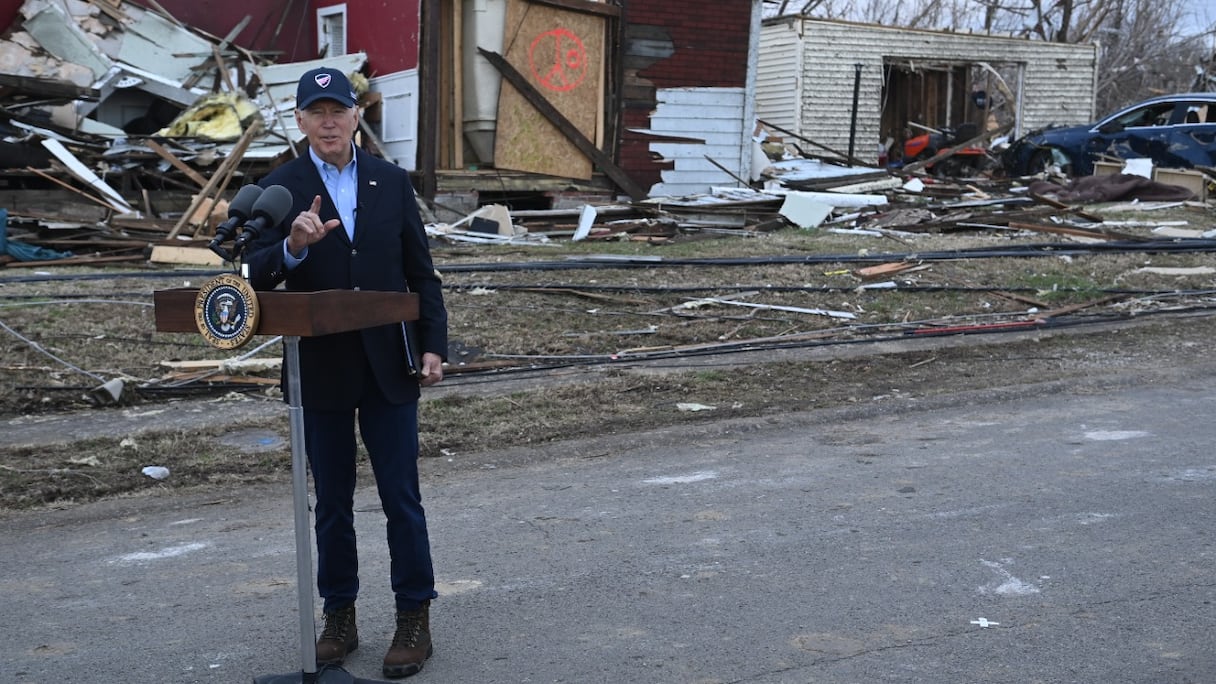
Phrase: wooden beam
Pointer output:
(428, 128)
(222, 68)
(74, 261)
(219, 178)
(47, 87)
(78, 191)
(842, 155)
(366, 129)
(546, 108)
(176, 163)
(601, 8)
(1064, 207)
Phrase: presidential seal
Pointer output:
(226, 311)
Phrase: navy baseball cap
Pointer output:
(324, 84)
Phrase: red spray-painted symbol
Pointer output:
(558, 60)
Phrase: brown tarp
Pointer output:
(1111, 188)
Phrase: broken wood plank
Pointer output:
(727, 171)
(1063, 310)
(1103, 234)
(219, 178)
(587, 295)
(1022, 299)
(78, 191)
(227, 365)
(538, 100)
(779, 307)
(222, 68)
(842, 155)
(176, 163)
(883, 270)
(198, 256)
(74, 261)
(1060, 205)
(49, 87)
(377, 146)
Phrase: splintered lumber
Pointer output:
(176, 163)
(74, 261)
(83, 194)
(1103, 234)
(1060, 205)
(883, 270)
(851, 160)
(587, 295)
(198, 256)
(219, 179)
(1022, 299)
(1073, 308)
(777, 307)
(231, 366)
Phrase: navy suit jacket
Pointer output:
(389, 253)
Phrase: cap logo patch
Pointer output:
(322, 80)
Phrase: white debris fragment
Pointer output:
(156, 472)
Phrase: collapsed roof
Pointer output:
(92, 72)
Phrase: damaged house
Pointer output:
(868, 88)
(532, 103)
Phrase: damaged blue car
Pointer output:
(1175, 131)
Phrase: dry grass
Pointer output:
(63, 336)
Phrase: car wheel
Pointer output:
(1044, 159)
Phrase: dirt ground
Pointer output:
(647, 343)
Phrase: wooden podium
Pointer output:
(294, 315)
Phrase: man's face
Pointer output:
(329, 127)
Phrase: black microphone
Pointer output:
(238, 212)
(270, 209)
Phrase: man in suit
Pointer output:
(354, 224)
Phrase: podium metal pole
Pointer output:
(299, 490)
(308, 673)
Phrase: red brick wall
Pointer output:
(710, 38)
(674, 44)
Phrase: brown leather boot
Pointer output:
(411, 643)
(339, 637)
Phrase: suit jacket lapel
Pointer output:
(369, 191)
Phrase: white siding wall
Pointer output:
(399, 116)
(714, 115)
(1058, 84)
(779, 75)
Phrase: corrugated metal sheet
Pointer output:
(1057, 84)
(711, 115)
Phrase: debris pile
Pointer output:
(144, 142)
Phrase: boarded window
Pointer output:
(331, 31)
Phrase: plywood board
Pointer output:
(198, 256)
(561, 52)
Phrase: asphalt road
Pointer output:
(1062, 536)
